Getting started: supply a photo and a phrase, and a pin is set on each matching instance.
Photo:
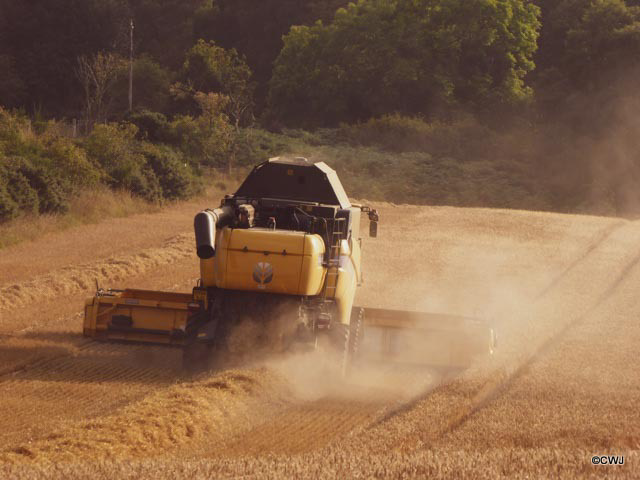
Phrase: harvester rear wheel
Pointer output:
(352, 339)
(356, 333)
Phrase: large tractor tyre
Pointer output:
(344, 340)
(352, 340)
(356, 334)
(341, 341)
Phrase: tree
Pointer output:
(212, 69)
(151, 87)
(164, 29)
(605, 40)
(98, 75)
(589, 52)
(409, 56)
(45, 39)
(207, 137)
(255, 29)
(12, 88)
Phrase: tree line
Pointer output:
(565, 68)
(320, 62)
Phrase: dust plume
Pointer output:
(613, 161)
(318, 374)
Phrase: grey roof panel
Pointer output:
(295, 179)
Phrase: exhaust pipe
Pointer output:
(205, 224)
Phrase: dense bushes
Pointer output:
(152, 157)
(463, 139)
(39, 173)
(420, 178)
(407, 160)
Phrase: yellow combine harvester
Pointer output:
(285, 250)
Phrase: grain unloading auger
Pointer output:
(284, 251)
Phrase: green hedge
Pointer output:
(39, 172)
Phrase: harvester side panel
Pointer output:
(139, 316)
(438, 340)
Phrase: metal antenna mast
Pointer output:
(131, 69)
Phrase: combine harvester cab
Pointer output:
(284, 251)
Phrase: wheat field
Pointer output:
(562, 386)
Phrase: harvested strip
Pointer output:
(83, 277)
(208, 410)
(77, 384)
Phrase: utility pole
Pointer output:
(131, 69)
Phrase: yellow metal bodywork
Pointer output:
(296, 262)
(295, 259)
(439, 340)
(345, 282)
(156, 317)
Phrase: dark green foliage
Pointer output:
(204, 140)
(411, 161)
(209, 68)
(154, 172)
(40, 173)
(151, 87)
(255, 28)
(12, 87)
(253, 146)
(461, 139)
(152, 126)
(164, 29)
(425, 56)
(420, 178)
(175, 176)
(589, 51)
(8, 207)
(34, 189)
(22, 194)
(52, 197)
(45, 39)
(115, 149)
(67, 162)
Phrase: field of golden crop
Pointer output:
(564, 384)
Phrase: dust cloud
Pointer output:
(315, 375)
(613, 162)
(493, 268)
(480, 272)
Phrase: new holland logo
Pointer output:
(262, 273)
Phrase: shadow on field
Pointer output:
(94, 363)
(60, 336)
